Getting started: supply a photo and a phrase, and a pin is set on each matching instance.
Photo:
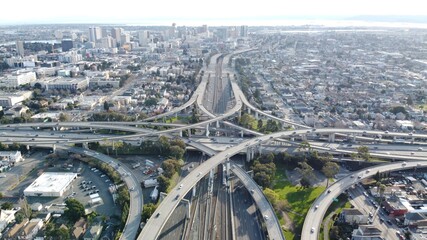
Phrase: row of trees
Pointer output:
(306, 163)
(173, 148)
(264, 170)
(248, 121)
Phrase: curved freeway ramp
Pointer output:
(272, 223)
(136, 200)
(314, 218)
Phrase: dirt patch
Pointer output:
(289, 224)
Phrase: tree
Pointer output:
(247, 120)
(164, 183)
(330, 169)
(63, 117)
(271, 195)
(260, 123)
(307, 173)
(176, 152)
(106, 106)
(150, 102)
(304, 145)
(169, 168)
(147, 211)
(7, 206)
(25, 208)
(363, 152)
(75, 210)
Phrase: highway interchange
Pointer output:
(153, 227)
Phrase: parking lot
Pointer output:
(96, 183)
(22, 171)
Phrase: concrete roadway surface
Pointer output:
(154, 224)
(246, 222)
(314, 217)
(174, 228)
(362, 203)
(136, 200)
(267, 212)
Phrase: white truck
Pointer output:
(136, 165)
(154, 194)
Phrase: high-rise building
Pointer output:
(143, 37)
(243, 31)
(116, 33)
(172, 31)
(67, 44)
(95, 33)
(20, 48)
(124, 38)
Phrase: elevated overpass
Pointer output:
(314, 217)
(166, 207)
(271, 222)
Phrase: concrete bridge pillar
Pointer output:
(194, 191)
(248, 155)
(189, 132)
(241, 134)
(259, 149)
(180, 133)
(256, 116)
(354, 137)
(304, 137)
(176, 115)
(292, 139)
(217, 124)
(394, 138)
(252, 153)
(249, 111)
(54, 148)
(331, 137)
(228, 168)
(207, 130)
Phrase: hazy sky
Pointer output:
(140, 11)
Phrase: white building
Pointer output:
(6, 216)
(10, 99)
(50, 184)
(17, 79)
(60, 83)
(11, 156)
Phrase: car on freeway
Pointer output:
(180, 186)
(266, 217)
(316, 207)
(312, 230)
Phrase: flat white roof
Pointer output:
(51, 182)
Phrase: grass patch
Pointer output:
(299, 200)
(335, 208)
(173, 180)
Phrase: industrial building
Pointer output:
(50, 184)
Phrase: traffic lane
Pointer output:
(245, 217)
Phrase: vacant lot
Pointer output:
(298, 200)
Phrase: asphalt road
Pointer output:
(136, 201)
